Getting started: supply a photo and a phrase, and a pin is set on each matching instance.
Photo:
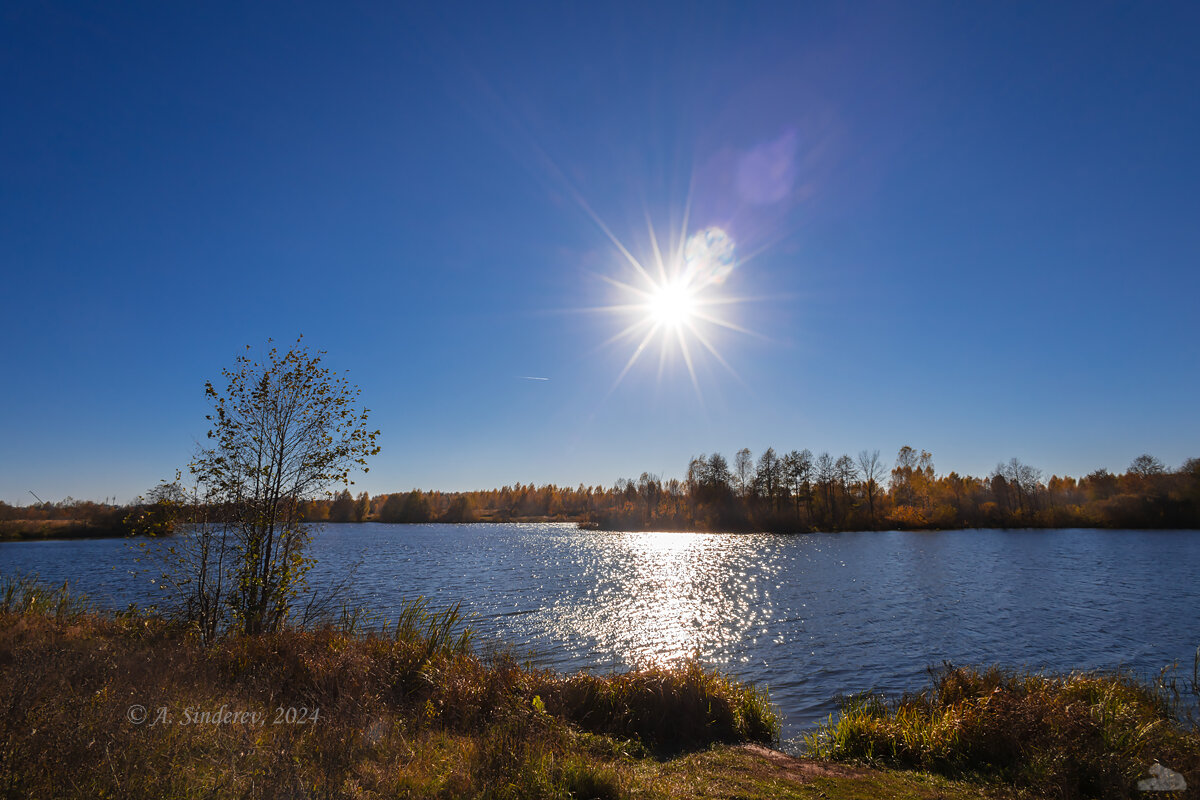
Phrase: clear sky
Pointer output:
(973, 228)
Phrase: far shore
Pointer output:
(36, 530)
(71, 529)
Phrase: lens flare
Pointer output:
(708, 257)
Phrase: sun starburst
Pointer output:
(678, 309)
(672, 304)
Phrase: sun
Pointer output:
(672, 304)
(674, 299)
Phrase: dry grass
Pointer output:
(411, 714)
(1068, 736)
(417, 714)
(51, 529)
(667, 709)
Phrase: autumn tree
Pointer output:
(743, 466)
(847, 473)
(416, 507)
(362, 506)
(649, 489)
(392, 508)
(342, 509)
(1099, 484)
(872, 471)
(768, 477)
(1020, 478)
(284, 430)
(1147, 466)
(826, 474)
(906, 465)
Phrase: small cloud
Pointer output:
(531, 378)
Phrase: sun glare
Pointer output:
(674, 299)
(671, 304)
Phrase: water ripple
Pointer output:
(809, 616)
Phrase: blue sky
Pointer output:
(970, 228)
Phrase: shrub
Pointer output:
(1072, 736)
(668, 709)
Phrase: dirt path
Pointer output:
(802, 769)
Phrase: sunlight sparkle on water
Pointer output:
(660, 598)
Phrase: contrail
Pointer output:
(532, 378)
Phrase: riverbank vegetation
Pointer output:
(136, 705)
(1073, 736)
(68, 519)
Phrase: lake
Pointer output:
(808, 616)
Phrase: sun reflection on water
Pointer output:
(659, 598)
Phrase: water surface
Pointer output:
(809, 616)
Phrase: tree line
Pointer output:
(798, 491)
(65, 519)
(517, 503)
(793, 492)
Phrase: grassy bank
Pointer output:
(1069, 736)
(127, 705)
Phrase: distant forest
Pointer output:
(794, 492)
(798, 492)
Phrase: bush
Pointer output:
(668, 709)
(1073, 736)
